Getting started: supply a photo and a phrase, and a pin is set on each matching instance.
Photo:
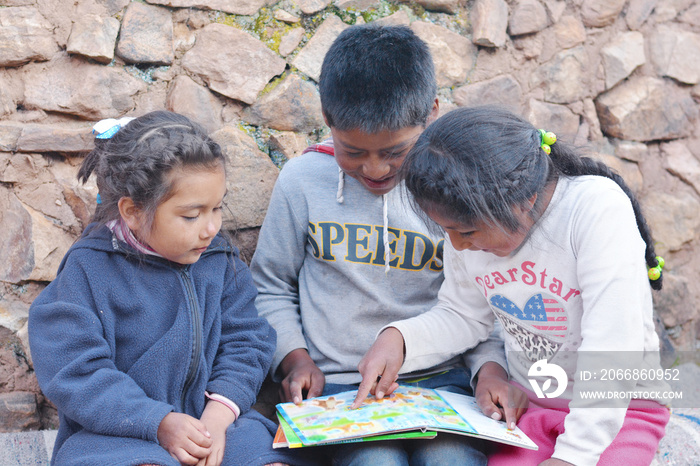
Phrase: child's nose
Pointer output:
(211, 228)
(376, 168)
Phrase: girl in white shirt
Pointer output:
(554, 246)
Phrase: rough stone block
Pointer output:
(691, 16)
(55, 138)
(285, 16)
(489, 23)
(400, 18)
(445, 6)
(94, 37)
(309, 7)
(25, 35)
(599, 13)
(236, 7)
(502, 90)
(196, 102)
(146, 35)
(646, 109)
(452, 53)
(288, 144)
(679, 161)
(569, 32)
(15, 242)
(676, 53)
(9, 135)
(70, 85)
(310, 58)
(232, 62)
(565, 76)
(622, 56)
(251, 178)
(674, 219)
(293, 105)
(290, 41)
(630, 150)
(18, 412)
(358, 5)
(638, 11)
(675, 296)
(527, 16)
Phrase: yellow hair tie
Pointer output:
(655, 272)
(547, 138)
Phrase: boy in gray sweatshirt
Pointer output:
(341, 252)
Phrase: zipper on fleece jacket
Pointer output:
(195, 319)
(197, 330)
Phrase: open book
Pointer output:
(409, 412)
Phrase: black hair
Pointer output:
(377, 78)
(475, 164)
(136, 161)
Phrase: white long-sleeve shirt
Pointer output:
(578, 285)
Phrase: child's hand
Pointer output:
(216, 417)
(184, 437)
(497, 398)
(301, 373)
(384, 359)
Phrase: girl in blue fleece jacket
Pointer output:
(148, 341)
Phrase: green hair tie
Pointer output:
(655, 272)
(547, 138)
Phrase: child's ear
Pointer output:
(434, 112)
(131, 214)
(532, 201)
(527, 206)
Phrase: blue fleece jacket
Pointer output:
(119, 340)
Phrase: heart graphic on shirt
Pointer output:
(539, 327)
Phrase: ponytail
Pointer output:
(568, 163)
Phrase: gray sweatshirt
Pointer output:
(320, 271)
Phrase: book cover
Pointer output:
(329, 419)
(286, 438)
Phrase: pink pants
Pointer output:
(635, 444)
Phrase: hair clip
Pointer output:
(107, 128)
(655, 272)
(98, 199)
(547, 138)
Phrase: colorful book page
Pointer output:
(485, 426)
(330, 419)
(409, 410)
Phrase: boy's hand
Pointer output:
(497, 398)
(216, 417)
(384, 359)
(184, 437)
(301, 374)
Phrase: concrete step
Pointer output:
(680, 446)
(26, 448)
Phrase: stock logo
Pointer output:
(552, 371)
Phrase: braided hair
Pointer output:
(456, 170)
(137, 160)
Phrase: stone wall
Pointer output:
(619, 75)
